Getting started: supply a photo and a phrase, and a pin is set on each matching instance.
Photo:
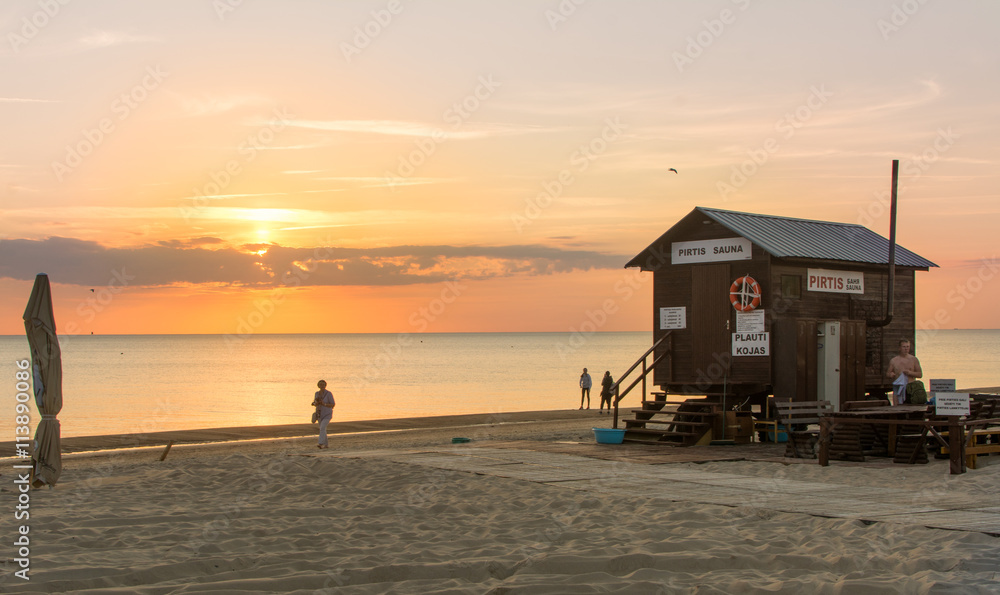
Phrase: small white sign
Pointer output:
(673, 318)
(836, 281)
(951, 403)
(750, 322)
(751, 344)
(710, 250)
(944, 385)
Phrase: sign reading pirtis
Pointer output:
(710, 250)
(951, 403)
(751, 344)
(673, 318)
(836, 281)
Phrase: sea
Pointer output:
(125, 384)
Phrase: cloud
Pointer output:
(25, 100)
(103, 39)
(467, 130)
(208, 105)
(178, 262)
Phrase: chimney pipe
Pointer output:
(892, 251)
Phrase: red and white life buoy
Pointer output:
(744, 294)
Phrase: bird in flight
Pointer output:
(672, 169)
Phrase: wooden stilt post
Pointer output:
(956, 445)
(166, 450)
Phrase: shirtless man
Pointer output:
(908, 364)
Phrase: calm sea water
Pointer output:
(144, 383)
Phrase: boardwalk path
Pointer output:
(645, 471)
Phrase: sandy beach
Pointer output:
(528, 506)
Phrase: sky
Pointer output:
(255, 166)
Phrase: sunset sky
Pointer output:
(221, 166)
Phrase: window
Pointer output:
(791, 286)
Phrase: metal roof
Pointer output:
(785, 237)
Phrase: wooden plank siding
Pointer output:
(701, 359)
(881, 344)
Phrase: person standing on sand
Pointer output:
(907, 364)
(606, 383)
(324, 406)
(585, 384)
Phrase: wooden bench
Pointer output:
(797, 416)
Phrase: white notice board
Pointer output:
(943, 385)
(750, 322)
(673, 318)
(951, 404)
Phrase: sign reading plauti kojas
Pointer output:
(836, 281)
(710, 250)
(751, 344)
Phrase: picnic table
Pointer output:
(909, 427)
(840, 432)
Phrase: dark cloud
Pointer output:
(79, 262)
(191, 243)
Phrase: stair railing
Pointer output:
(646, 369)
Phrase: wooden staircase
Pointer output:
(680, 423)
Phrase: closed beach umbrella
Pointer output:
(46, 365)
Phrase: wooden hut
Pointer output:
(759, 305)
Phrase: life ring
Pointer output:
(744, 294)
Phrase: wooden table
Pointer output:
(893, 416)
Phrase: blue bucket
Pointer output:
(769, 435)
(609, 435)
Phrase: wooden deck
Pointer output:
(639, 471)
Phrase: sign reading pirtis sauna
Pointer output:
(836, 281)
(710, 250)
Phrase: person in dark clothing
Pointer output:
(606, 383)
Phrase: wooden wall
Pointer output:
(880, 343)
(701, 362)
